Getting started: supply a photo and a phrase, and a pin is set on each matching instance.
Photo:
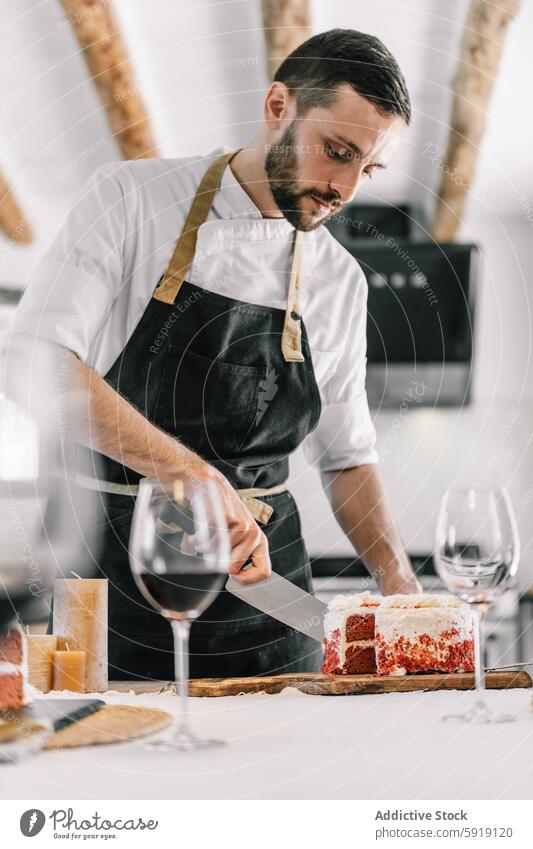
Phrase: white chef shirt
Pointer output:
(97, 277)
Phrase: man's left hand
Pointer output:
(400, 581)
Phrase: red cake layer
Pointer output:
(360, 626)
(11, 646)
(12, 690)
(360, 658)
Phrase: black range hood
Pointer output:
(420, 306)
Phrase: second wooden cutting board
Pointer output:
(338, 685)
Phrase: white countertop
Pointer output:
(295, 746)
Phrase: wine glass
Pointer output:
(179, 556)
(476, 554)
(45, 516)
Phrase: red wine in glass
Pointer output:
(181, 595)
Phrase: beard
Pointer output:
(281, 166)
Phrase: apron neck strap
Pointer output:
(172, 280)
(185, 249)
(291, 338)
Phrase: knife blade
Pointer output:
(285, 602)
(274, 595)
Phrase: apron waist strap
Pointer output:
(250, 497)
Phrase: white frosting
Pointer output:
(395, 622)
(417, 601)
(333, 621)
(410, 623)
(351, 603)
(8, 668)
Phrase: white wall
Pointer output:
(201, 71)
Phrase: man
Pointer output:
(217, 353)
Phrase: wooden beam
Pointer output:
(99, 37)
(12, 220)
(286, 24)
(484, 33)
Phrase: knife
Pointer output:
(274, 595)
(27, 729)
(285, 602)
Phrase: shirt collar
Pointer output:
(231, 200)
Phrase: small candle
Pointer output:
(41, 648)
(69, 671)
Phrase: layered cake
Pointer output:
(13, 669)
(398, 634)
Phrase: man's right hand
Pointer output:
(247, 540)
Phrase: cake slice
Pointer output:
(349, 626)
(399, 634)
(13, 669)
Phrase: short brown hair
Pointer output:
(337, 56)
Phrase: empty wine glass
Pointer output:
(476, 554)
(179, 556)
(45, 516)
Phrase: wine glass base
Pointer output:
(187, 743)
(479, 715)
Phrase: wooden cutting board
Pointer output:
(317, 684)
(110, 724)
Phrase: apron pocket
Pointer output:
(209, 404)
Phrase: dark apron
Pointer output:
(234, 382)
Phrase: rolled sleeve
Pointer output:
(345, 435)
(71, 291)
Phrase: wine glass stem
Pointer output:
(180, 629)
(479, 648)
